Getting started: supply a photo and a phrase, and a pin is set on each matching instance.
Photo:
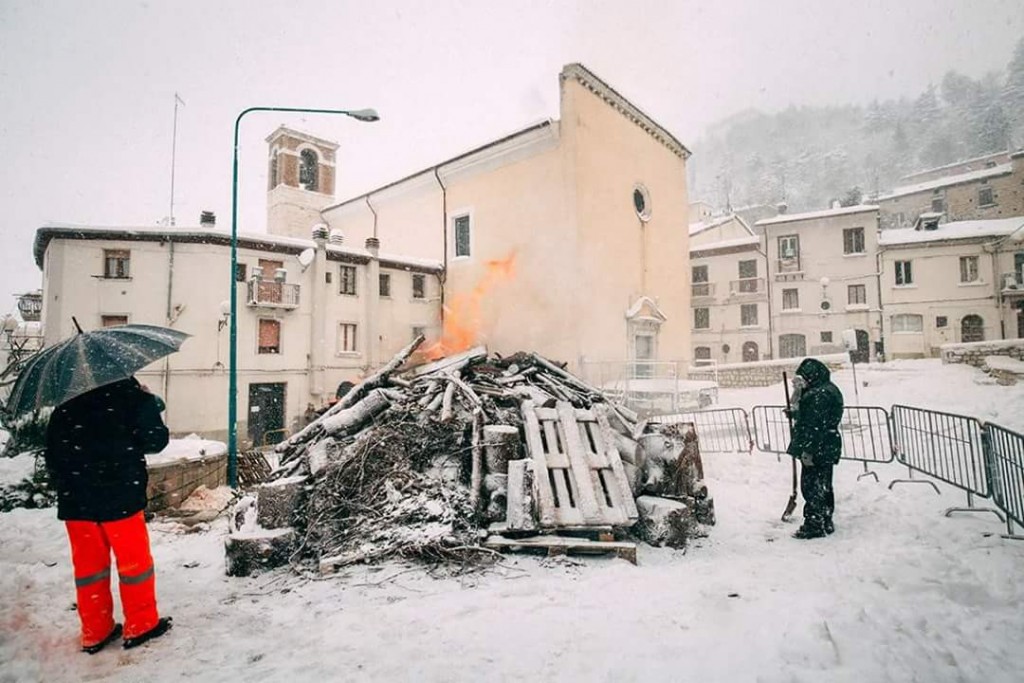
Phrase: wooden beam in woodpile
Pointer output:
(451, 363)
(357, 392)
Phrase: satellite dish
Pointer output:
(306, 257)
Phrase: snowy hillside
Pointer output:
(898, 593)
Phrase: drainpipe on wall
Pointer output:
(444, 246)
(318, 316)
(372, 302)
(170, 322)
(768, 291)
(992, 249)
(881, 309)
(374, 212)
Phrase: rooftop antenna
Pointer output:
(174, 147)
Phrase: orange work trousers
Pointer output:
(91, 543)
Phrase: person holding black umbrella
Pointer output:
(818, 410)
(102, 426)
(96, 447)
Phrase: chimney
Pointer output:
(207, 219)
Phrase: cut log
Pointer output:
(351, 419)
(450, 363)
(278, 501)
(321, 454)
(665, 522)
(501, 444)
(354, 395)
(446, 402)
(521, 505)
(477, 472)
(247, 553)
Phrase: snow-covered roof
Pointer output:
(1001, 169)
(957, 230)
(211, 235)
(725, 244)
(811, 215)
(701, 226)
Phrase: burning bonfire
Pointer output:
(459, 458)
(451, 455)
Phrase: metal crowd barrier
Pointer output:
(864, 431)
(944, 446)
(771, 428)
(719, 430)
(1006, 457)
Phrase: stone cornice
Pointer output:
(591, 82)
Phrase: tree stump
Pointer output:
(249, 552)
(278, 501)
(665, 522)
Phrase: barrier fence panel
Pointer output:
(720, 430)
(771, 428)
(866, 436)
(864, 431)
(1006, 449)
(945, 446)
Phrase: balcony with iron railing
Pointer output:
(747, 287)
(273, 294)
(789, 268)
(31, 306)
(1013, 284)
(702, 290)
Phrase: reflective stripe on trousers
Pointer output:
(91, 544)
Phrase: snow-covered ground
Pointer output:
(899, 593)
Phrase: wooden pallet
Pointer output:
(563, 545)
(578, 475)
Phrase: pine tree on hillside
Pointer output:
(1013, 94)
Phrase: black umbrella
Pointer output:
(87, 361)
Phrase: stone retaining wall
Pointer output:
(171, 483)
(974, 353)
(760, 374)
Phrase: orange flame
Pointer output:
(462, 311)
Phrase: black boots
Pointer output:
(806, 530)
(115, 633)
(162, 627)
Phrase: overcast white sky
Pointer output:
(87, 88)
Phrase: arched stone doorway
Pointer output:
(750, 352)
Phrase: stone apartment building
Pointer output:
(822, 280)
(951, 282)
(985, 188)
(728, 292)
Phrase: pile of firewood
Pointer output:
(414, 462)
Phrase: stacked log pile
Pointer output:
(424, 462)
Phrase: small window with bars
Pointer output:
(463, 237)
(347, 338)
(347, 280)
(116, 264)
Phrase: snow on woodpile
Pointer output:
(458, 458)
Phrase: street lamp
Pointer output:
(367, 115)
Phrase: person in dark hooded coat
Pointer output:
(96, 446)
(816, 441)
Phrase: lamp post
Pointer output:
(367, 115)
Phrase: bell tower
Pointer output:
(300, 181)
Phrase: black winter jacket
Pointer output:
(96, 447)
(818, 415)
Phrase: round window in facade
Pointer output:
(642, 202)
